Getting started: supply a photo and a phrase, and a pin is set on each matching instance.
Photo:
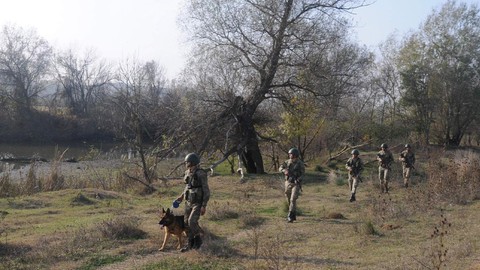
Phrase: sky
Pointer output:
(147, 29)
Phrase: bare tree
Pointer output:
(146, 116)
(254, 50)
(24, 62)
(81, 79)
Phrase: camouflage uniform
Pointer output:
(407, 157)
(293, 182)
(385, 159)
(354, 166)
(196, 194)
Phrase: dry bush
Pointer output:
(455, 180)
(334, 215)
(438, 252)
(50, 249)
(7, 187)
(55, 181)
(282, 256)
(251, 220)
(223, 211)
(3, 214)
(216, 246)
(122, 227)
(255, 239)
(32, 184)
(365, 228)
(382, 208)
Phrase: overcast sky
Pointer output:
(147, 29)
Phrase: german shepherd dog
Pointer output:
(172, 225)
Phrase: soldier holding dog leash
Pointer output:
(294, 170)
(196, 195)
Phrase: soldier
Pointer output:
(407, 157)
(196, 195)
(385, 159)
(294, 169)
(354, 166)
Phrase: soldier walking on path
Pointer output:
(294, 170)
(196, 195)
(354, 166)
(385, 159)
(407, 157)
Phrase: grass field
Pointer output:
(245, 227)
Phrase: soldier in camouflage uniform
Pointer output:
(294, 170)
(407, 157)
(385, 159)
(196, 195)
(354, 166)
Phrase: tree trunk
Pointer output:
(252, 158)
(249, 151)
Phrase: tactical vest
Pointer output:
(355, 164)
(409, 159)
(194, 191)
(294, 170)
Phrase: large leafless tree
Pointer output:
(248, 51)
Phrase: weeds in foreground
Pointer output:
(3, 214)
(282, 256)
(56, 181)
(32, 184)
(438, 255)
(7, 188)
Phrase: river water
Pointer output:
(48, 151)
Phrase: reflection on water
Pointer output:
(47, 151)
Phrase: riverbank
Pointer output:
(69, 170)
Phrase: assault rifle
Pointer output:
(293, 177)
(407, 161)
(383, 160)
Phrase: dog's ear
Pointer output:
(168, 211)
(163, 210)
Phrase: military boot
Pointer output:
(386, 187)
(291, 216)
(352, 198)
(197, 242)
(189, 245)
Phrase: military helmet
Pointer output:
(355, 152)
(193, 158)
(294, 151)
(407, 145)
(384, 145)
